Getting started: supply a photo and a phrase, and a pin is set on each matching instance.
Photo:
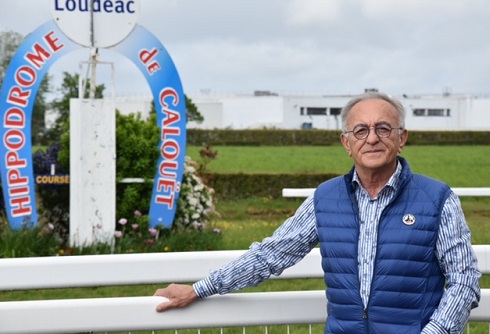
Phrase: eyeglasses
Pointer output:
(382, 131)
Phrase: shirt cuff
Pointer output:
(434, 328)
(204, 288)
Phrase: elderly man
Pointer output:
(395, 245)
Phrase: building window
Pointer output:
(432, 112)
(436, 112)
(316, 111)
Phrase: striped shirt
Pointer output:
(295, 238)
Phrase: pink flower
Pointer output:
(118, 234)
(150, 241)
(137, 213)
(153, 231)
(123, 221)
(216, 231)
(135, 226)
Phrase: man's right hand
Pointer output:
(179, 295)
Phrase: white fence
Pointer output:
(138, 313)
(305, 192)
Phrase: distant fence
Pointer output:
(305, 192)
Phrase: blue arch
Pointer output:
(39, 51)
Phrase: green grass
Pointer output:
(276, 159)
(252, 219)
(459, 166)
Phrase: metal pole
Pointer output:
(93, 60)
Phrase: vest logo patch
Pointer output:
(408, 219)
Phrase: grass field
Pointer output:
(246, 221)
(459, 166)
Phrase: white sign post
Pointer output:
(92, 171)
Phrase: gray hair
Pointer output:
(373, 95)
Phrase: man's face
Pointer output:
(374, 153)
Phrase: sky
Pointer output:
(300, 46)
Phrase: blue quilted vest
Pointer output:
(407, 282)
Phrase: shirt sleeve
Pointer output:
(434, 328)
(459, 264)
(290, 243)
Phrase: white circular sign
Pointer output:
(111, 21)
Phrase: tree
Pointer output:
(191, 111)
(39, 113)
(9, 43)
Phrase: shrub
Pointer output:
(137, 153)
(195, 205)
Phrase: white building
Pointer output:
(269, 110)
(424, 112)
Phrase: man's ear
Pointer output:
(345, 142)
(403, 140)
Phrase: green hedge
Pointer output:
(270, 137)
(238, 186)
(449, 138)
(313, 137)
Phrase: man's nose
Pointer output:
(372, 136)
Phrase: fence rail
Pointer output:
(469, 191)
(128, 269)
(138, 313)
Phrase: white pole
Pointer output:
(92, 171)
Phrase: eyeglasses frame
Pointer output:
(376, 127)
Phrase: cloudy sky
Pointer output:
(302, 46)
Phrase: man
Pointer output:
(395, 246)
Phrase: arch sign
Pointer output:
(113, 23)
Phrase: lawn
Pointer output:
(459, 166)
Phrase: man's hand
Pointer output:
(178, 295)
